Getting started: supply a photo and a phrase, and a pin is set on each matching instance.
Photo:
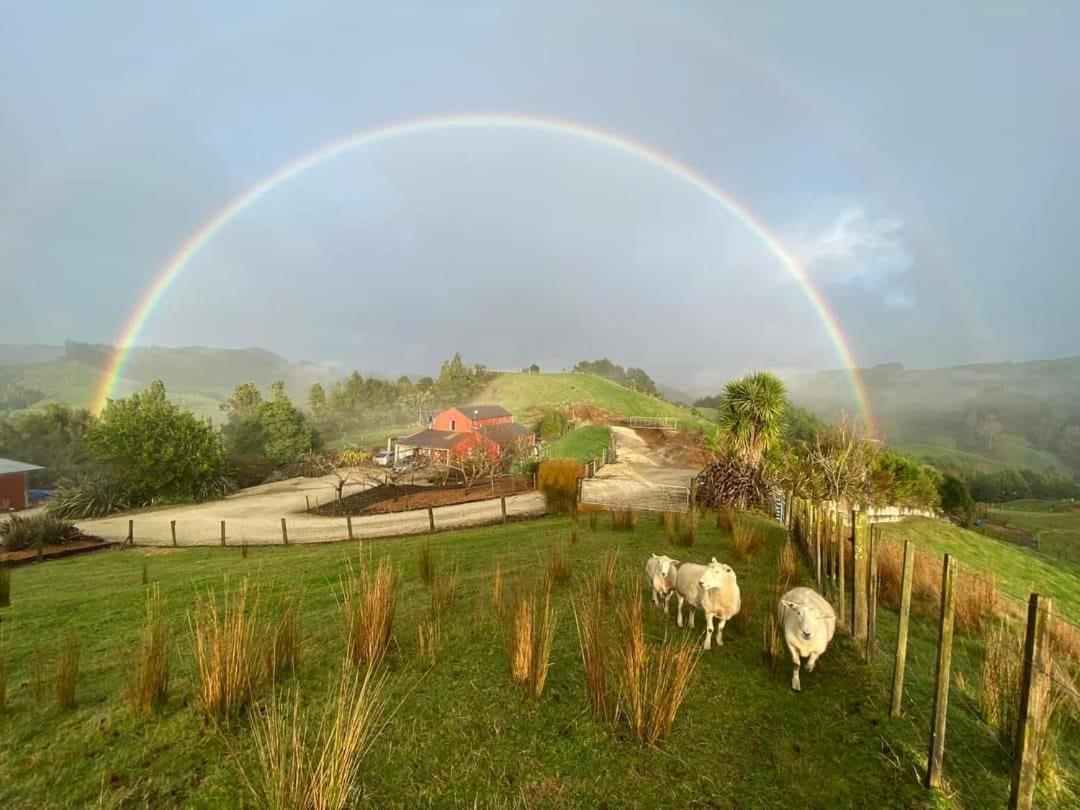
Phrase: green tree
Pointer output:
(245, 400)
(956, 501)
(317, 401)
(752, 415)
(156, 450)
(54, 438)
(287, 433)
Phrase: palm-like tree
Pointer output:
(752, 415)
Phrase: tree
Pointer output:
(842, 459)
(552, 425)
(640, 381)
(287, 432)
(245, 400)
(752, 415)
(156, 451)
(316, 401)
(54, 438)
(956, 501)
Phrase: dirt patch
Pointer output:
(83, 545)
(678, 448)
(388, 499)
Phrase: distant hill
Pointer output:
(19, 355)
(983, 415)
(528, 394)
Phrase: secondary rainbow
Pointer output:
(415, 126)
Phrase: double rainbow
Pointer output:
(198, 240)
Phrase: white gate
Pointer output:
(610, 494)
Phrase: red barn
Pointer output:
(458, 430)
(14, 486)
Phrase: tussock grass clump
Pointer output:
(557, 570)
(281, 645)
(725, 519)
(3, 675)
(226, 643)
(301, 761)
(670, 522)
(606, 570)
(39, 680)
(444, 592)
(746, 539)
(145, 573)
(787, 561)
(426, 564)
(589, 612)
(652, 682)
(689, 532)
(150, 675)
(497, 589)
(573, 535)
(890, 574)
(623, 520)
(429, 641)
(530, 632)
(976, 601)
(557, 479)
(67, 671)
(594, 520)
(368, 607)
(772, 645)
(1000, 676)
(5, 586)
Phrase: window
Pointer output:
(453, 424)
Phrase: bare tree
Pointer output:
(340, 469)
(842, 459)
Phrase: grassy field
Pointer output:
(462, 732)
(581, 443)
(1056, 524)
(526, 394)
(1010, 452)
(374, 439)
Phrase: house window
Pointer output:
(453, 424)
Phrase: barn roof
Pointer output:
(8, 467)
(434, 439)
(505, 433)
(483, 411)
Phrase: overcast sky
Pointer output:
(920, 161)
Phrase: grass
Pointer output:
(225, 642)
(5, 586)
(150, 676)
(67, 671)
(1009, 453)
(463, 735)
(1055, 524)
(367, 610)
(582, 443)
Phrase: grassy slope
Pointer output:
(1010, 452)
(1058, 529)
(582, 443)
(1017, 570)
(525, 394)
(463, 734)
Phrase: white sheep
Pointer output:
(660, 574)
(714, 589)
(808, 623)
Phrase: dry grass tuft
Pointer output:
(589, 611)
(429, 641)
(444, 592)
(3, 675)
(652, 682)
(670, 522)
(39, 681)
(5, 586)
(281, 650)
(1002, 667)
(497, 589)
(67, 671)
(772, 646)
(573, 535)
(623, 520)
(557, 570)
(426, 564)
(150, 678)
(976, 602)
(787, 562)
(725, 519)
(557, 479)
(368, 608)
(745, 540)
(530, 632)
(606, 571)
(689, 532)
(300, 763)
(226, 645)
(594, 520)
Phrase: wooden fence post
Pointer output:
(860, 573)
(431, 518)
(131, 532)
(1033, 692)
(284, 532)
(939, 713)
(502, 505)
(819, 513)
(896, 706)
(841, 547)
(223, 532)
(307, 501)
(172, 531)
(348, 525)
(872, 590)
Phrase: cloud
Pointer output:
(849, 244)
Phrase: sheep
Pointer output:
(714, 589)
(808, 623)
(660, 574)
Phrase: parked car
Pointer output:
(404, 464)
(384, 458)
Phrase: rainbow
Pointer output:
(619, 143)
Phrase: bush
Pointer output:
(558, 481)
(18, 532)
(87, 497)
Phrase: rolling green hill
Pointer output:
(1009, 452)
(527, 394)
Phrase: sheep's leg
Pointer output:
(679, 610)
(797, 660)
(667, 602)
(655, 598)
(693, 615)
(811, 661)
(708, 630)
(720, 630)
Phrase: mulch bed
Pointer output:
(384, 499)
(83, 545)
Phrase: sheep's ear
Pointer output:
(676, 562)
(790, 605)
(715, 560)
(656, 556)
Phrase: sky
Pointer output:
(919, 161)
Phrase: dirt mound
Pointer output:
(677, 448)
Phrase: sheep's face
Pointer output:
(664, 563)
(716, 573)
(808, 619)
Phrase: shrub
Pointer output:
(281, 646)
(87, 497)
(5, 586)
(67, 671)
(426, 564)
(300, 763)
(444, 591)
(20, 532)
(558, 481)
(226, 651)
(150, 674)
(368, 609)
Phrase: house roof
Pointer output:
(483, 411)
(7, 467)
(505, 433)
(435, 439)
